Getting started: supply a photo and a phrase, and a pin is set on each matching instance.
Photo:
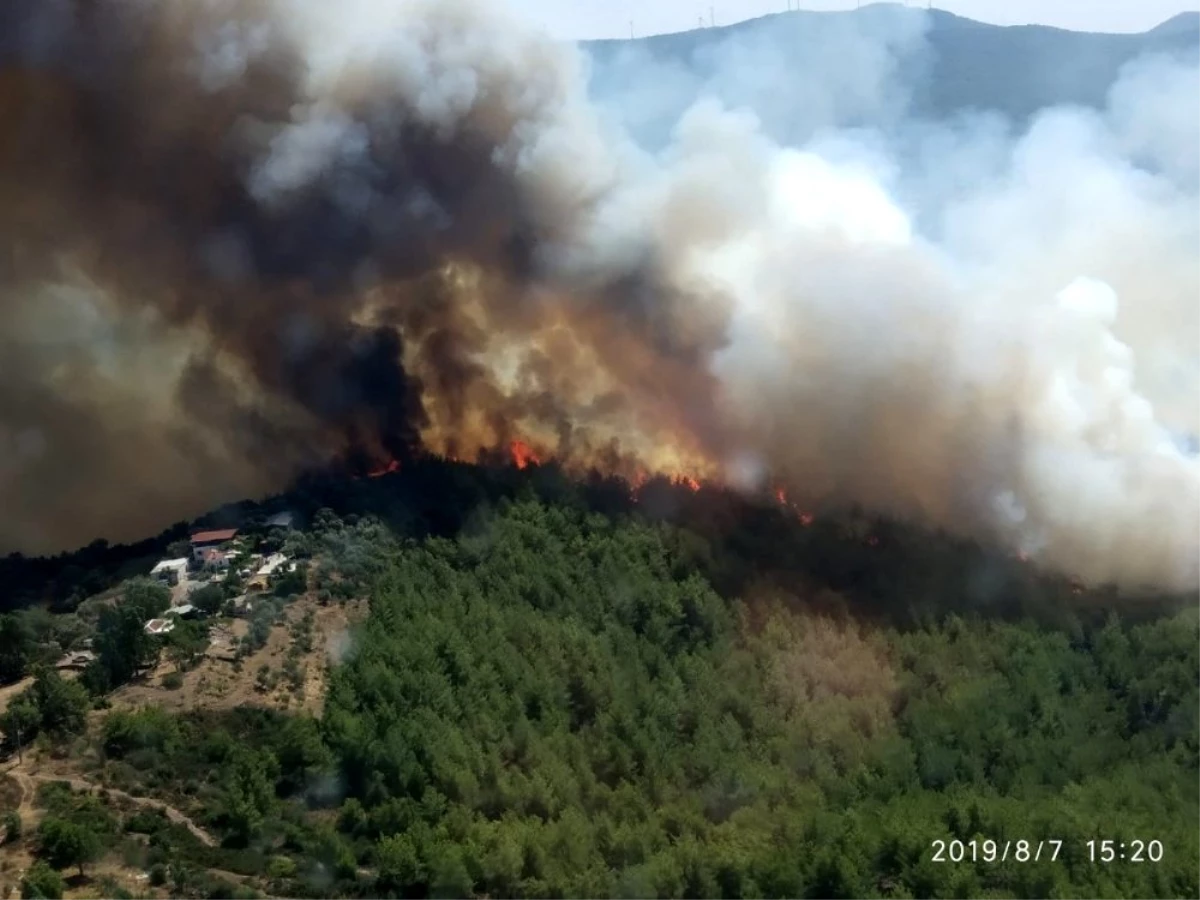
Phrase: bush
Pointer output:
(281, 867)
(11, 823)
(158, 875)
(67, 842)
(143, 729)
(173, 681)
(41, 881)
(208, 599)
(146, 821)
(291, 583)
(149, 597)
(265, 679)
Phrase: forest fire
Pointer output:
(391, 466)
(781, 497)
(686, 481)
(523, 455)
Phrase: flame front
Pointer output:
(523, 455)
(392, 466)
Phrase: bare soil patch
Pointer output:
(220, 682)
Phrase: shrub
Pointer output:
(149, 728)
(208, 599)
(281, 867)
(145, 821)
(158, 875)
(40, 882)
(11, 823)
(67, 842)
(173, 681)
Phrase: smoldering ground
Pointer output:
(243, 235)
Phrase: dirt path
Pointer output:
(25, 783)
(29, 780)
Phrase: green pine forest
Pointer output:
(560, 692)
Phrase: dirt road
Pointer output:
(29, 781)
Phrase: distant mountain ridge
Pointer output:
(1184, 22)
(963, 65)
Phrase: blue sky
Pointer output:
(574, 19)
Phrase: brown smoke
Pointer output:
(243, 236)
(169, 153)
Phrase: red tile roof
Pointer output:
(213, 537)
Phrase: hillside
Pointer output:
(566, 689)
(643, 534)
(932, 65)
(1186, 23)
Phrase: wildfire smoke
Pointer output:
(245, 236)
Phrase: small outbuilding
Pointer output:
(170, 571)
(77, 660)
(160, 626)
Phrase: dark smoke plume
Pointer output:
(173, 155)
(241, 237)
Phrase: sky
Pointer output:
(582, 19)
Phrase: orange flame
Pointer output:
(686, 481)
(523, 455)
(392, 466)
(806, 518)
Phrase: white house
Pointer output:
(273, 562)
(206, 540)
(170, 571)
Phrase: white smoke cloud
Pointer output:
(1146, 108)
(1011, 358)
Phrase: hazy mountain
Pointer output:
(878, 66)
(1187, 23)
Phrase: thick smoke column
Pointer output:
(339, 220)
(242, 236)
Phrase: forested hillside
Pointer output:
(754, 462)
(553, 706)
(553, 701)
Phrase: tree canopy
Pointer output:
(551, 706)
(570, 694)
